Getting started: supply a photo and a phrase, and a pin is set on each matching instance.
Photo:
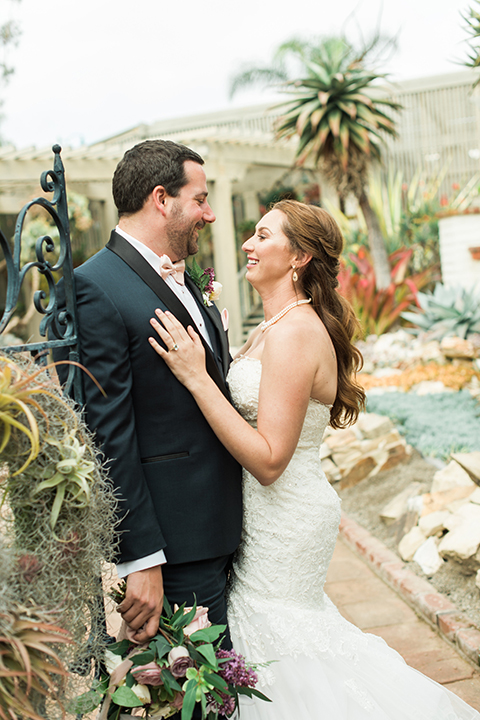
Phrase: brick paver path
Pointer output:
(366, 601)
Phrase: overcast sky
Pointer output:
(85, 70)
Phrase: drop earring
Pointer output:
(294, 276)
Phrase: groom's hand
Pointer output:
(143, 603)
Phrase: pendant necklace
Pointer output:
(268, 323)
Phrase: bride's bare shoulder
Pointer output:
(303, 334)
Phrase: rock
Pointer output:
(455, 505)
(469, 462)
(380, 457)
(433, 523)
(398, 506)
(357, 472)
(341, 439)
(428, 557)
(462, 543)
(331, 470)
(405, 524)
(430, 351)
(475, 496)
(347, 457)
(325, 451)
(455, 347)
(381, 390)
(430, 387)
(386, 372)
(440, 500)
(382, 441)
(453, 475)
(477, 579)
(373, 426)
(468, 512)
(397, 453)
(410, 543)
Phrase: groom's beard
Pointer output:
(182, 234)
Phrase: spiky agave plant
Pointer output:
(31, 672)
(446, 311)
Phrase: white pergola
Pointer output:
(240, 159)
(439, 128)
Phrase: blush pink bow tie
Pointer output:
(176, 269)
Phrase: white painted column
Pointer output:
(250, 204)
(110, 215)
(225, 261)
(457, 234)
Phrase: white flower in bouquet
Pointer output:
(142, 692)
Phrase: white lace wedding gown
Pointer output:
(327, 669)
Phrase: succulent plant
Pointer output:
(446, 311)
(72, 476)
(30, 669)
(437, 424)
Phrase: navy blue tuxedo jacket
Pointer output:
(180, 490)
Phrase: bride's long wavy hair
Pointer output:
(313, 231)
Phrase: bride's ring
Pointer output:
(174, 348)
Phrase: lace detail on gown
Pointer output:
(278, 610)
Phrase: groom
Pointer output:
(179, 489)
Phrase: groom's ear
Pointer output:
(159, 198)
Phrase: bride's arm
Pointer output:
(287, 377)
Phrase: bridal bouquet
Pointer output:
(181, 666)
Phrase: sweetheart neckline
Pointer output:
(247, 357)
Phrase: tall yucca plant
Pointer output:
(473, 28)
(340, 121)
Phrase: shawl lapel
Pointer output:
(121, 247)
(216, 319)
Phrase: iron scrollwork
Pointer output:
(59, 325)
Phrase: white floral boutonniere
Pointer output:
(206, 283)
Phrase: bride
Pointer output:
(294, 376)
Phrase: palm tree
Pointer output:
(339, 120)
(473, 28)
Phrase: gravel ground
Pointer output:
(363, 503)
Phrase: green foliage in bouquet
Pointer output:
(379, 310)
(57, 521)
(446, 311)
(182, 666)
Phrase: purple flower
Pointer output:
(225, 708)
(209, 286)
(235, 671)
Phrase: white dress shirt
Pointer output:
(187, 299)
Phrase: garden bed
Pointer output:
(363, 503)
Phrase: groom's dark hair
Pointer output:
(146, 165)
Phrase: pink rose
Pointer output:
(149, 674)
(179, 661)
(199, 622)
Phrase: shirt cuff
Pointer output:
(149, 561)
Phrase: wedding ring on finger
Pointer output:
(174, 348)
